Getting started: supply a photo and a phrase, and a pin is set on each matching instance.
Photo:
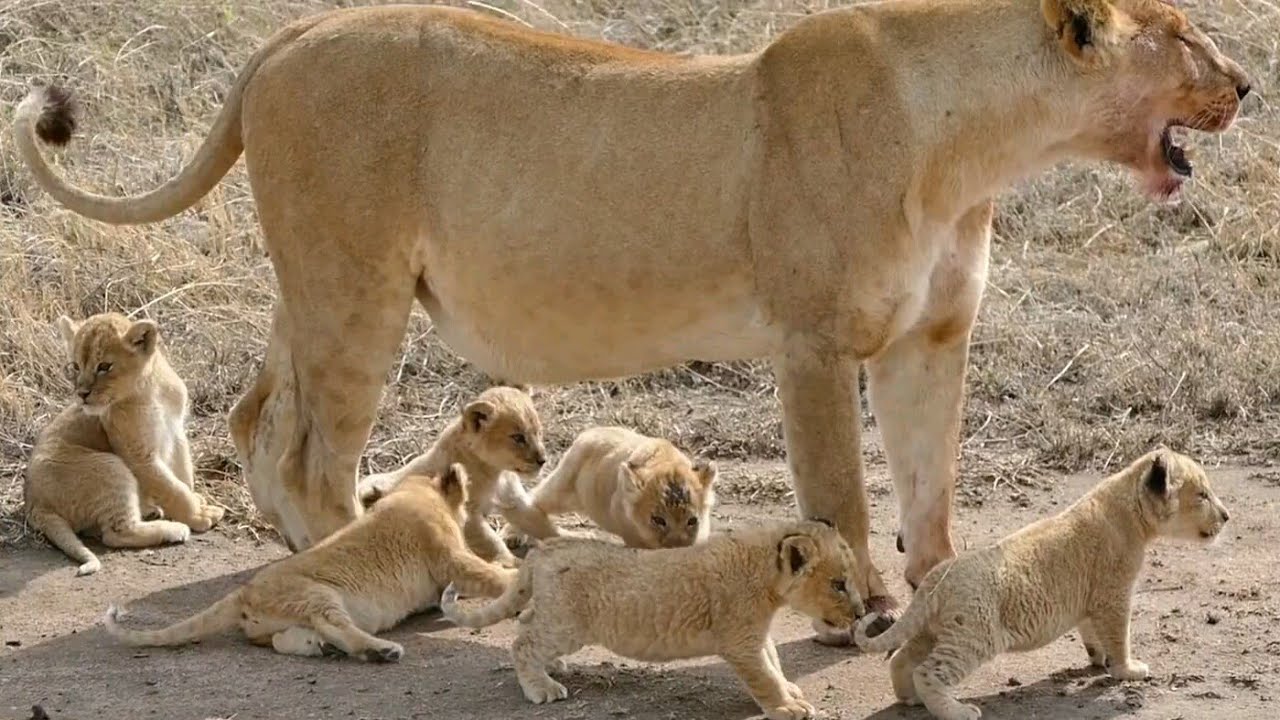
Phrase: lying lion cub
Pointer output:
(363, 579)
(497, 434)
(714, 598)
(119, 452)
(1074, 570)
(639, 488)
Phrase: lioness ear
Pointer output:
(1157, 480)
(142, 337)
(706, 471)
(1081, 26)
(477, 414)
(795, 552)
(67, 329)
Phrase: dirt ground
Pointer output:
(1205, 620)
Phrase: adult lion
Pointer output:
(567, 209)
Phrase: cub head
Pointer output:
(816, 572)
(1177, 499)
(502, 428)
(110, 357)
(668, 497)
(1148, 71)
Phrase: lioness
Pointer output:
(361, 580)
(1074, 570)
(718, 597)
(118, 452)
(642, 489)
(496, 435)
(824, 202)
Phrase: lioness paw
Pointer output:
(544, 690)
(792, 710)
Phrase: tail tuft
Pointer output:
(58, 109)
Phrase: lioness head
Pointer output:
(668, 497)
(502, 428)
(110, 357)
(1148, 71)
(816, 571)
(1177, 498)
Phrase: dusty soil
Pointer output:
(1205, 620)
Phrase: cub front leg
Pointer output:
(485, 542)
(779, 699)
(822, 427)
(1111, 625)
(156, 480)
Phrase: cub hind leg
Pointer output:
(903, 664)
(540, 646)
(952, 658)
(327, 613)
(301, 641)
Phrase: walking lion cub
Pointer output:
(118, 452)
(365, 578)
(717, 597)
(1074, 570)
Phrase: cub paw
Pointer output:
(544, 691)
(392, 652)
(514, 539)
(793, 691)
(207, 516)
(962, 711)
(1133, 670)
(89, 568)
(830, 635)
(331, 651)
(792, 710)
(175, 532)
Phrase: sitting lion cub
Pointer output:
(639, 488)
(718, 597)
(363, 579)
(119, 451)
(497, 434)
(1074, 570)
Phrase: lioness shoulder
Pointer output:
(717, 597)
(640, 488)
(1075, 570)
(367, 577)
(118, 451)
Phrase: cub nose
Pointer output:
(1225, 515)
(1242, 90)
(84, 394)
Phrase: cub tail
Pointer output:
(507, 605)
(218, 617)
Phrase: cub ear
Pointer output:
(706, 471)
(477, 414)
(628, 470)
(142, 337)
(454, 483)
(67, 329)
(795, 552)
(1081, 26)
(1157, 480)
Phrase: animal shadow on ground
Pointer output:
(1083, 693)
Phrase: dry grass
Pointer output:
(1109, 323)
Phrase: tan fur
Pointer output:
(364, 579)
(1074, 570)
(566, 209)
(642, 489)
(497, 435)
(118, 452)
(718, 597)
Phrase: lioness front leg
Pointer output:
(822, 427)
(1111, 626)
(768, 686)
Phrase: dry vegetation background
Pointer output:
(1109, 323)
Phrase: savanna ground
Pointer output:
(1109, 324)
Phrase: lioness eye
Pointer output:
(518, 439)
(658, 520)
(839, 587)
(104, 368)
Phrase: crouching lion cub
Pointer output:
(118, 452)
(1074, 570)
(718, 597)
(363, 579)
(497, 434)
(639, 488)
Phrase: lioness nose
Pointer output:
(1242, 90)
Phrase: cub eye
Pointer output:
(104, 368)
(659, 521)
(693, 522)
(519, 439)
(1204, 495)
(840, 587)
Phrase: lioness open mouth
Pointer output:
(1168, 165)
(1174, 155)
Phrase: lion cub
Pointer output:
(639, 488)
(119, 451)
(718, 597)
(1074, 570)
(497, 434)
(363, 579)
